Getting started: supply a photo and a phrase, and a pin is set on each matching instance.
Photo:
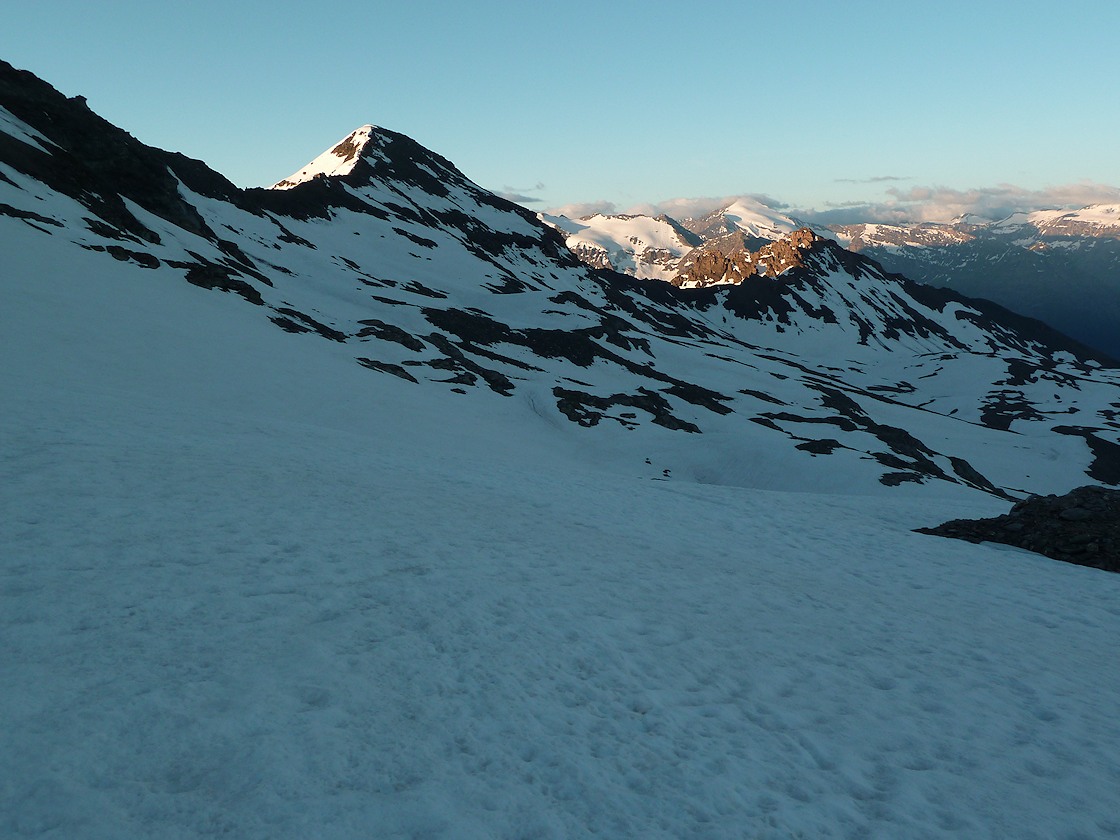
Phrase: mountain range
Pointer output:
(362, 506)
(1060, 266)
(654, 247)
(387, 250)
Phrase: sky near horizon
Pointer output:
(897, 109)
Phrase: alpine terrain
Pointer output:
(360, 506)
(1058, 266)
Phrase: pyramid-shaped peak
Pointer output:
(337, 160)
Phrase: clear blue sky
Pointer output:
(813, 103)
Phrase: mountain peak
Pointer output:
(340, 159)
(748, 216)
(372, 157)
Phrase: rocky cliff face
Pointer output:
(712, 264)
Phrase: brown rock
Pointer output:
(713, 264)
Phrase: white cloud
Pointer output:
(874, 179)
(521, 195)
(683, 208)
(899, 205)
(518, 198)
(941, 204)
(586, 208)
(696, 208)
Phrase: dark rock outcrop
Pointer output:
(1081, 527)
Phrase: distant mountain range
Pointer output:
(656, 247)
(1059, 266)
(827, 372)
(1062, 267)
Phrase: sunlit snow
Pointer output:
(756, 219)
(338, 160)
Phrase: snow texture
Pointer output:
(251, 588)
(754, 218)
(641, 246)
(246, 590)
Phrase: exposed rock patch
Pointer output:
(715, 265)
(1081, 527)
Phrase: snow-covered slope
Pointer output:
(861, 237)
(420, 275)
(338, 160)
(362, 508)
(247, 591)
(1097, 220)
(744, 215)
(646, 247)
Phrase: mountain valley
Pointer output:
(373, 504)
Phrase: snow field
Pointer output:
(206, 637)
(249, 588)
(221, 623)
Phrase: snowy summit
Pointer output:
(753, 218)
(338, 160)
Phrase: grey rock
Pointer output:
(1082, 527)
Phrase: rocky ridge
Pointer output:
(712, 265)
(1062, 267)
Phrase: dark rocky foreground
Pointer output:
(1081, 527)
